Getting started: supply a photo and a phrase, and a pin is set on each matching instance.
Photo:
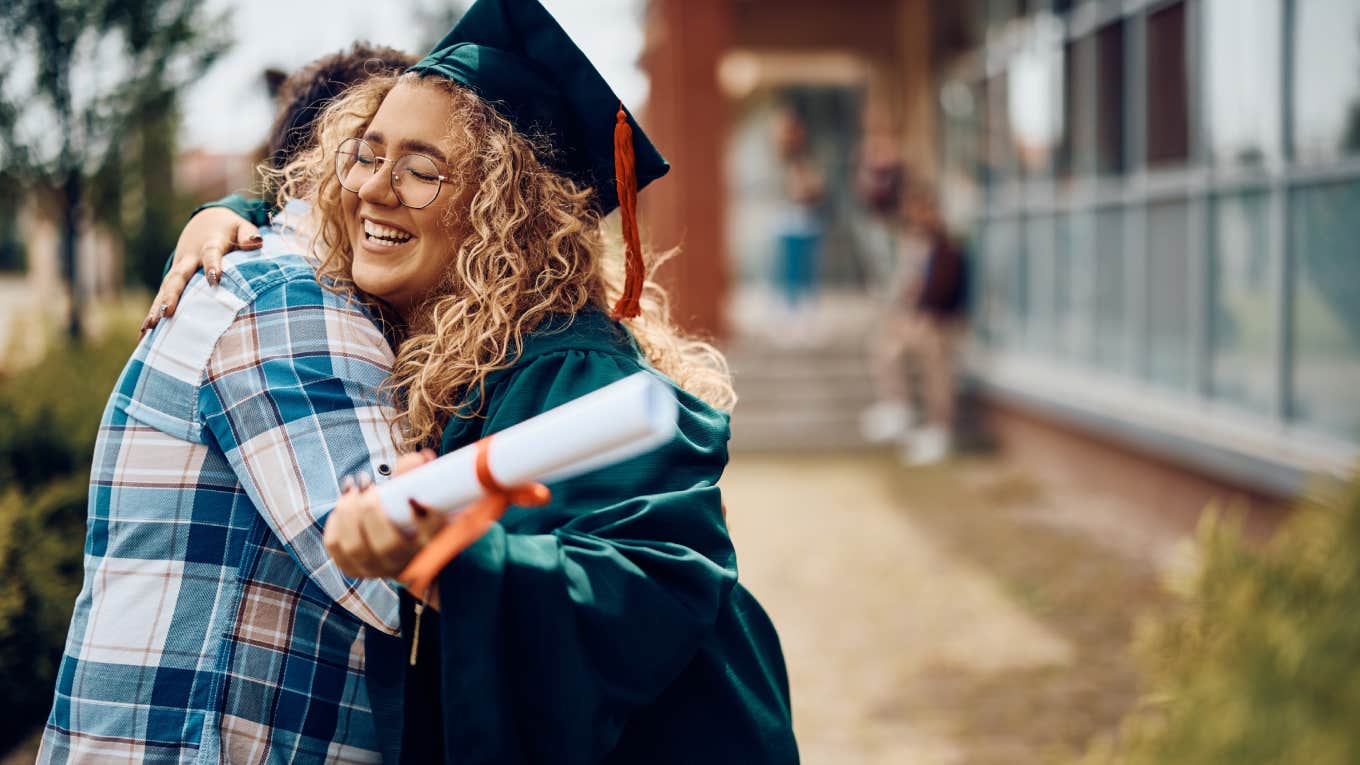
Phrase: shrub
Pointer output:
(49, 419)
(41, 552)
(50, 411)
(1262, 663)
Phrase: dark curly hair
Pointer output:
(303, 95)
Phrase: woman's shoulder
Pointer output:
(588, 331)
(564, 357)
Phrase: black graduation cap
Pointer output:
(515, 56)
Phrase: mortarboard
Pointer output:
(516, 57)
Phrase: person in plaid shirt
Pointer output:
(212, 625)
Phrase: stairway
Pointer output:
(801, 396)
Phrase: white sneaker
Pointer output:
(927, 447)
(884, 421)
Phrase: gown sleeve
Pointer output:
(563, 619)
(254, 210)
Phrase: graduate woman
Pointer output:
(462, 200)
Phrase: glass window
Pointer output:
(1000, 140)
(1001, 13)
(1071, 271)
(1326, 322)
(1006, 281)
(1326, 90)
(1242, 59)
(1016, 256)
(1076, 151)
(1035, 97)
(1242, 308)
(980, 283)
(1107, 297)
(1039, 277)
(1168, 103)
(1168, 298)
(1110, 154)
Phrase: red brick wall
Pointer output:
(1056, 451)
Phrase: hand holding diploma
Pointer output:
(377, 531)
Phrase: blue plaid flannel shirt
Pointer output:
(212, 625)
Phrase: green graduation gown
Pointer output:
(605, 627)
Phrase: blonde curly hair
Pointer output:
(531, 246)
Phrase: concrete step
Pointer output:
(806, 430)
(800, 371)
(806, 393)
(799, 398)
(851, 353)
(838, 363)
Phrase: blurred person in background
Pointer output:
(922, 325)
(880, 180)
(212, 624)
(798, 227)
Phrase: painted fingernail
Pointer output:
(257, 238)
(420, 511)
(213, 277)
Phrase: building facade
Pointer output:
(1164, 202)
(1161, 199)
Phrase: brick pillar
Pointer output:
(686, 117)
(917, 88)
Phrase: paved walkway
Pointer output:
(948, 615)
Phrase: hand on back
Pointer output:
(208, 236)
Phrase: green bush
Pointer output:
(1262, 662)
(49, 419)
(41, 553)
(50, 411)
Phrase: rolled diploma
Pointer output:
(609, 425)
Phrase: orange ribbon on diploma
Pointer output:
(469, 526)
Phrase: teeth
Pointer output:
(385, 234)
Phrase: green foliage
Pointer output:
(13, 255)
(41, 548)
(1262, 663)
(51, 126)
(49, 418)
(49, 412)
(60, 133)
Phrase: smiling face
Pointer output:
(400, 253)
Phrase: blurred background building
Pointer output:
(1161, 202)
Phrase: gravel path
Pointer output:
(942, 616)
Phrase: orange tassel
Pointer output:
(629, 304)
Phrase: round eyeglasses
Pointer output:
(415, 177)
